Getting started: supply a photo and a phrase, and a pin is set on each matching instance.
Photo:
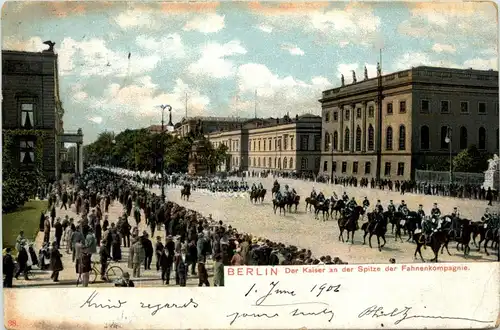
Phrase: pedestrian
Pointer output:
(158, 251)
(55, 262)
(180, 269)
(103, 258)
(46, 230)
(125, 281)
(148, 250)
(138, 256)
(98, 232)
(237, 260)
(53, 214)
(20, 241)
(192, 256)
(8, 268)
(218, 271)
(116, 251)
(202, 273)
(64, 200)
(58, 232)
(489, 196)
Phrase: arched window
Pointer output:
(327, 141)
(482, 138)
(275, 162)
(402, 137)
(388, 138)
(358, 138)
(346, 140)
(284, 163)
(258, 160)
(463, 137)
(291, 166)
(253, 161)
(371, 141)
(444, 134)
(424, 138)
(335, 140)
(269, 163)
(279, 163)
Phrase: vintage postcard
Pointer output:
(250, 165)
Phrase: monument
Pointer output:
(492, 174)
(196, 165)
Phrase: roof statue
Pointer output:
(366, 73)
(354, 77)
(342, 79)
(51, 46)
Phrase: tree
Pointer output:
(471, 160)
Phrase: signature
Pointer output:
(325, 311)
(402, 315)
(158, 307)
(237, 315)
(90, 303)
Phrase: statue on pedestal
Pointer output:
(342, 80)
(354, 77)
(366, 73)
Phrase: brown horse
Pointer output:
(372, 227)
(279, 205)
(350, 224)
(258, 196)
(292, 200)
(310, 202)
(322, 207)
(337, 206)
(186, 192)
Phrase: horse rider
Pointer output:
(351, 205)
(435, 212)
(275, 182)
(261, 187)
(366, 203)
(313, 193)
(421, 211)
(403, 208)
(254, 187)
(429, 226)
(321, 198)
(455, 213)
(391, 207)
(379, 207)
(345, 197)
(279, 196)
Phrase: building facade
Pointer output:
(31, 103)
(283, 144)
(207, 124)
(388, 126)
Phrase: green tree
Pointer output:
(471, 160)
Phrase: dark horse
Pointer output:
(292, 200)
(276, 188)
(486, 233)
(310, 202)
(461, 233)
(337, 206)
(186, 192)
(437, 240)
(322, 207)
(258, 195)
(279, 204)
(350, 223)
(373, 227)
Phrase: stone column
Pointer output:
(353, 128)
(81, 159)
(77, 160)
(341, 132)
(364, 133)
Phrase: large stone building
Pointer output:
(208, 124)
(420, 108)
(283, 144)
(32, 112)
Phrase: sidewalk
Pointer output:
(68, 276)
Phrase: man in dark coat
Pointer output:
(58, 232)
(64, 200)
(148, 250)
(158, 251)
(22, 260)
(8, 269)
(192, 256)
(167, 259)
(53, 214)
(42, 221)
(55, 262)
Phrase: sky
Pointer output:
(228, 59)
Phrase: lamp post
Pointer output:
(448, 140)
(162, 138)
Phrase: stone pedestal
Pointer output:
(492, 174)
(195, 165)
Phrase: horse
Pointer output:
(486, 234)
(258, 195)
(292, 200)
(310, 201)
(410, 224)
(186, 192)
(338, 206)
(462, 235)
(276, 188)
(322, 206)
(373, 227)
(350, 224)
(279, 204)
(437, 240)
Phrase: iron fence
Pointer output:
(443, 177)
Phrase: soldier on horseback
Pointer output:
(345, 197)
(435, 212)
(366, 203)
(279, 196)
(313, 193)
(254, 187)
(421, 211)
(350, 206)
(403, 208)
(321, 198)
(455, 213)
(379, 207)
(391, 207)
(261, 187)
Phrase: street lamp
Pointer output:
(448, 141)
(170, 128)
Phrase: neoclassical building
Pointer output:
(390, 125)
(277, 144)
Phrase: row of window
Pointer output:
(445, 107)
(232, 145)
(256, 145)
(425, 107)
(367, 169)
(371, 139)
(446, 132)
(285, 163)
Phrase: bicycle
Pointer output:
(112, 273)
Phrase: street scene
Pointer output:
(155, 144)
